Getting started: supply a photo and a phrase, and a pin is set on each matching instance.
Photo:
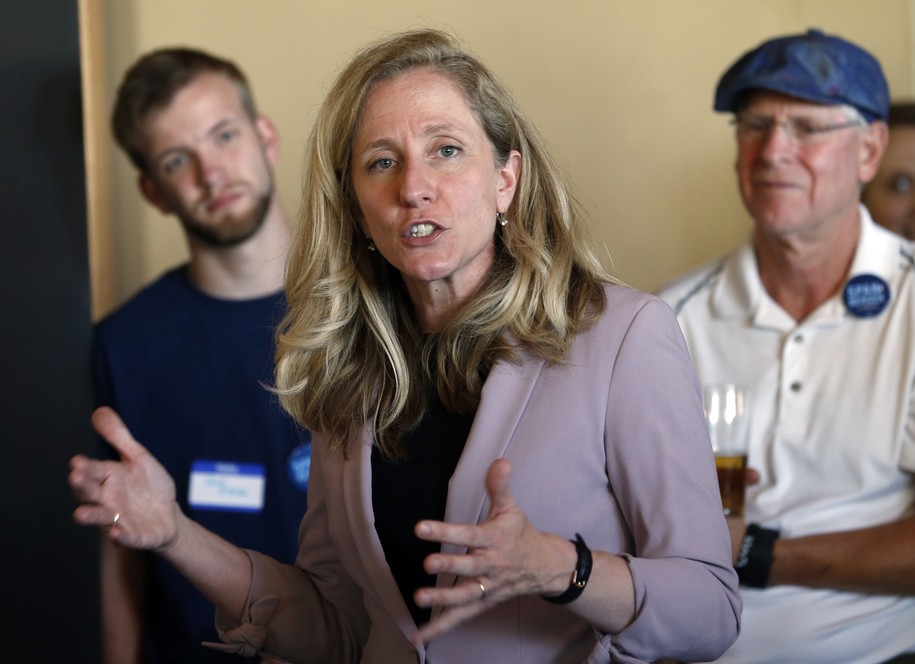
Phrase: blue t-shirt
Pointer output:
(187, 373)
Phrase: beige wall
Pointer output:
(620, 89)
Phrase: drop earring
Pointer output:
(372, 246)
(501, 219)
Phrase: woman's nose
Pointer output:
(417, 183)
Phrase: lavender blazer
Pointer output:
(611, 444)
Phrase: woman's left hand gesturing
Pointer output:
(506, 557)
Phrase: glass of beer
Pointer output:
(727, 414)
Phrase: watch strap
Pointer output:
(754, 560)
(579, 576)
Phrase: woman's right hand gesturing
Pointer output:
(134, 497)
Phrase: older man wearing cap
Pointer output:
(815, 315)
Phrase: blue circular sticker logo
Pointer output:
(866, 295)
(298, 465)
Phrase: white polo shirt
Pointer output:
(832, 433)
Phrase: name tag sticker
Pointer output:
(227, 486)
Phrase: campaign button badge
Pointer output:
(866, 295)
(298, 465)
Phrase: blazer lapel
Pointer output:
(505, 394)
(357, 495)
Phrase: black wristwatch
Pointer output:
(754, 560)
(579, 576)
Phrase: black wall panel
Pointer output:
(48, 591)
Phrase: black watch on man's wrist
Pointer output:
(754, 560)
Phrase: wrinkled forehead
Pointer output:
(770, 103)
(428, 76)
(420, 97)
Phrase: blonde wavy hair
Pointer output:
(350, 350)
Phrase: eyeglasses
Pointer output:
(802, 131)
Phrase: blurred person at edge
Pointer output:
(890, 196)
(814, 313)
(184, 361)
(511, 462)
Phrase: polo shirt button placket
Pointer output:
(798, 339)
(794, 370)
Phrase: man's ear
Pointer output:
(150, 192)
(269, 137)
(876, 137)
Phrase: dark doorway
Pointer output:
(49, 601)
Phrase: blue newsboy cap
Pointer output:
(815, 67)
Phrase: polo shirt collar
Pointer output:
(875, 245)
(739, 293)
